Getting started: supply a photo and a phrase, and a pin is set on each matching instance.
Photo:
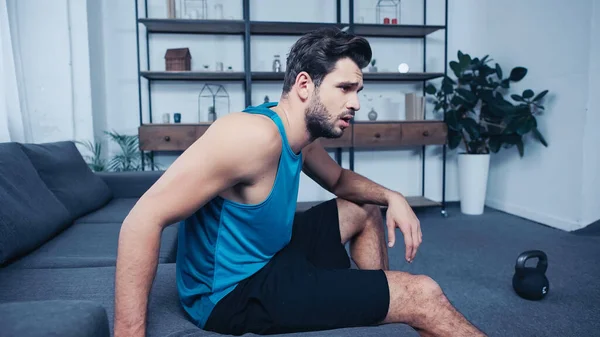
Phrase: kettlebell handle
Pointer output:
(542, 264)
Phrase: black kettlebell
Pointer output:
(531, 282)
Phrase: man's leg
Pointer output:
(416, 300)
(363, 226)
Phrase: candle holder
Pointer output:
(388, 10)
(213, 99)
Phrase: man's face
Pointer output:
(334, 102)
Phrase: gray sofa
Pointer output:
(59, 228)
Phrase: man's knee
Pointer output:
(417, 287)
(413, 298)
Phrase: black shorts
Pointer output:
(307, 286)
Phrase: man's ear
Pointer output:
(304, 85)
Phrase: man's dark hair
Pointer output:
(318, 51)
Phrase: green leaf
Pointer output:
(454, 139)
(467, 94)
(517, 98)
(447, 88)
(452, 120)
(540, 95)
(455, 68)
(520, 147)
(495, 143)
(517, 74)
(471, 127)
(498, 71)
(448, 80)
(528, 93)
(505, 83)
(539, 136)
(525, 125)
(430, 89)
(465, 61)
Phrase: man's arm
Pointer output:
(354, 187)
(344, 183)
(228, 153)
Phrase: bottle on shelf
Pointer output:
(276, 64)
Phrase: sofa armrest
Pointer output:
(53, 318)
(129, 184)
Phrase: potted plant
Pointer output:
(483, 120)
(128, 159)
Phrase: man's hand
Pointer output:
(401, 215)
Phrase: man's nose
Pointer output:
(353, 104)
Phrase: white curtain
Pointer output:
(11, 107)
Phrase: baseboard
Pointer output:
(543, 218)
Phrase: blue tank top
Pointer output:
(225, 242)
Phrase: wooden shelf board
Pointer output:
(185, 26)
(413, 201)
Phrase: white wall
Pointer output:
(551, 39)
(591, 140)
(97, 67)
(53, 52)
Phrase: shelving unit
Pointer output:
(360, 136)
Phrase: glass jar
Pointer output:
(276, 64)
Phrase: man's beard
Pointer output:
(317, 120)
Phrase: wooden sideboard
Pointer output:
(361, 135)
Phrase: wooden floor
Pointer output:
(413, 201)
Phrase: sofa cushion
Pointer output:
(65, 172)
(130, 184)
(165, 315)
(115, 211)
(90, 245)
(29, 213)
(54, 318)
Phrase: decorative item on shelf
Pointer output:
(219, 12)
(373, 67)
(403, 68)
(171, 9)
(219, 66)
(212, 115)
(266, 99)
(194, 9)
(481, 119)
(178, 59)
(386, 11)
(415, 107)
(230, 69)
(166, 118)
(205, 67)
(372, 115)
(177, 117)
(276, 64)
(215, 98)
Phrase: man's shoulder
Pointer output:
(247, 129)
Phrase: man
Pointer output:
(245, 262)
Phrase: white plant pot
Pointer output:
(472, 182)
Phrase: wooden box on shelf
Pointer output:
(178, 59)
